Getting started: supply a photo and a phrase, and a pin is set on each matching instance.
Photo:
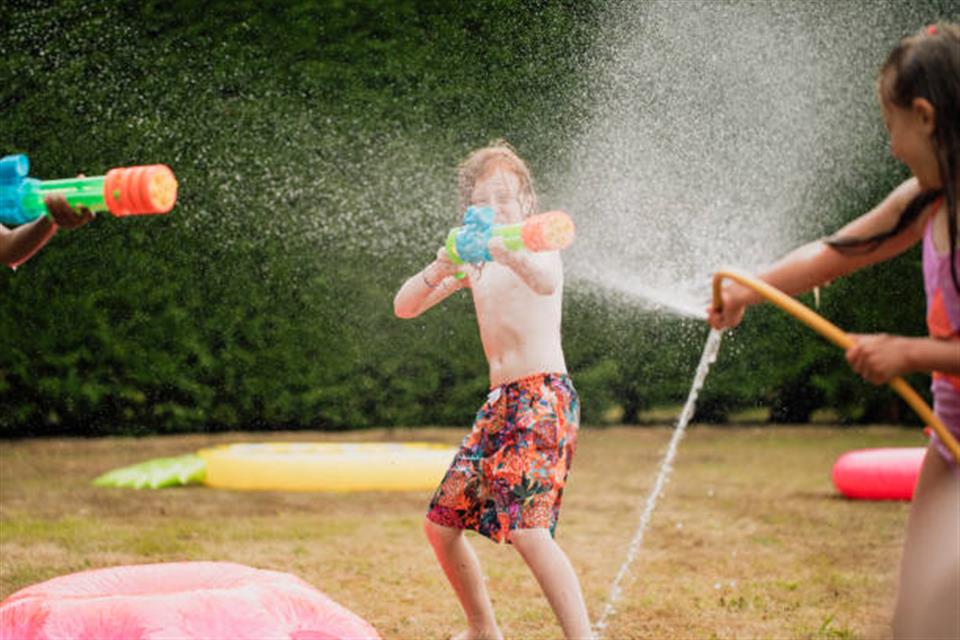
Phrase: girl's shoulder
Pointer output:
(905, 192)
(894, 206)
(885, 214)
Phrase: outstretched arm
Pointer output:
(18, 245)
(429, 286)
(818, 263)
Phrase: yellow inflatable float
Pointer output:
(327, 466)
(295, 466)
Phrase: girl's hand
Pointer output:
(64, 215)
(878, 357)
(734, 306)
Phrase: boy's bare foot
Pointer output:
(479, 634)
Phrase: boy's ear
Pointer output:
(526, 203)
(926, 114)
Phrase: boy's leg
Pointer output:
(460, 564)
(930, 570)
(556, 577)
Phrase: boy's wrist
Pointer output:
(512, 259)
(432, 275)
(517, 257)
(427, 279)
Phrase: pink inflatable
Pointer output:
(177, 600)
(878, 474)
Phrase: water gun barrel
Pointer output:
(139, 190)
(550, 231)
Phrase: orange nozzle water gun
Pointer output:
(123, 191)
(550, 231)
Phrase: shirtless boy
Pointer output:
(507, 480)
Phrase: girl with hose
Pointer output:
(919, 91)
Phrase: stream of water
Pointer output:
(708, 357)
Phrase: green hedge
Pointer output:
(315, 143)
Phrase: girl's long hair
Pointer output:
(925, 65)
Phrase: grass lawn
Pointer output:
(749, 539)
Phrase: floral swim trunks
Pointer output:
(512, 467)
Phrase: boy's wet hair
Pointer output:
(924, 65)
(481, 160)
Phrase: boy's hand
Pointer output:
(878, 357)
(442, 266)
(66, 216)
(498, 249)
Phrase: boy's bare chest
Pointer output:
(495, 285)
(505, 305)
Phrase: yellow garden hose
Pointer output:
(835, 335)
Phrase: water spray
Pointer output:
(709, 355)
(815, 321)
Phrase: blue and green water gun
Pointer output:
(550, 231)
(123, 191)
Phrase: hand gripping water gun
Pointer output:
(123, 192)
(550, 231)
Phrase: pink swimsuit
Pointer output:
(943, 321)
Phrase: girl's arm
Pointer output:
(880, 357)
(818, 263)
(542, 272)
(433, 284)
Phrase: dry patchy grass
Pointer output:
(749, 539)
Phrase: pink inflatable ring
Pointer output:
(177, 600)
(878, 474)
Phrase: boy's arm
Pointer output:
(542, 272)
(431, 285)
(818, 263)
